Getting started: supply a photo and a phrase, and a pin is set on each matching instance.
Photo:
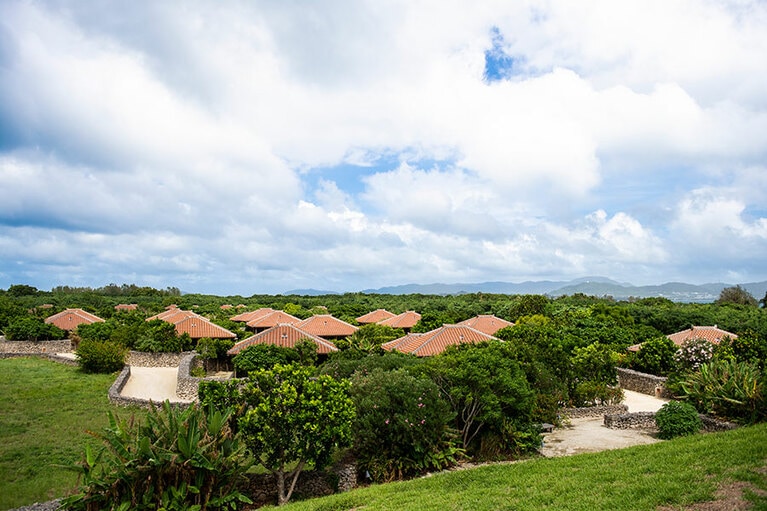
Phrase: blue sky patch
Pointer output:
(499, 65)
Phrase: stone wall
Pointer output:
(143, 359)
(646, 420)
(262, 488)
(592, 411)
(36, 347)
(642, 382)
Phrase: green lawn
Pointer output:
(673, 473)
(46, 408)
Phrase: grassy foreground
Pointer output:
(46, 408)
(674, 473)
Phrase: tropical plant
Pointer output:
(656, 356)
(728, 389)
(95, 356)
(294, 419)
(676, 418)
(159, 336)
(263, 356)
(692, 354)
(179, 459)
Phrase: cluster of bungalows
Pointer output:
(278, 328)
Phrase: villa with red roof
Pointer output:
(70, 319)
(244, 317)
(375, 316)
(271, 319)
(712, 334)
(436, 341)
(126, 307)
(284, 336)
(405, 321)
(327, 327)
(187, 322)
(486, 323)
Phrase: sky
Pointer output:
(244, 147)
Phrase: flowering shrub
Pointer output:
(401, 428)
(693, 354)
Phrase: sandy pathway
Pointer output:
(155, 383)
(590, 434)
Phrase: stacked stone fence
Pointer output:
(187, 385)
(342, 477)
(592, 411)
(646, 420)
(35, 347)
(643, 383)
(145, 359)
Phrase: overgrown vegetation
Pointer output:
(677, 419)
(95, 356)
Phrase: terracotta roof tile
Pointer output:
(251, 315)
(284, 335)
(375, 316)
(126, 307)
(187, 322)
(486, 323)
(405, 320)
(710, 333)
(70, 319)
(435, 342)
(273, 318)
(325, 325)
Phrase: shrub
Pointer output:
(401, 428)
(263, 356)
(101, 356)
(729, 389)
(32, 329)
(677, 419)
(693, 354)
(186, 459)
(159, 336)
(343, 364)
(656, 356)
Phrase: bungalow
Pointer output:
(376, 316)
(434, 342)
(126, 307)
(272, 319)
(486, 323)
(187, 322)
(244, 317)
(70, 319)
(327, 327)
(712, 334)
(284, 336)
(405, 321)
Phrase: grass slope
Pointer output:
(673, 473)
(46, 408)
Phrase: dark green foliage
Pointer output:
(159, 336)
(27, 328)
(736, 295)
(528, 305)
(656, 356)
(99, 331)
(186, 459)
(263, 356)
(344, 364)
(369, 338)
(676, 418)
(486, 390)
(735, 391)
(307, 352)
(294, 419)
(748, 347)
(96, 356)
(402, 426)
(213, 351)
(17, 290)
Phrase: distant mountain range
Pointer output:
(592, 286)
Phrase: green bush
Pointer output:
(101, 356)
(32, 329)
(159, 336)
(263, 356)
(402, 426)
(187, 459)
(676, 418)
(656, 356)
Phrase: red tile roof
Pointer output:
(325, 325)
(435, 342)
(405, 320)
(251, 315)
(187, 322)
(273, 318)
(285, 336)
(486, 323)
(70, 319)
(710, 333)
(375, 316)
(126, 307)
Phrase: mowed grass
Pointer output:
(45, 408)
(674, 473)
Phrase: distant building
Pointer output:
(436, 341)
(70, 319)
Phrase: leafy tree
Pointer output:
(594, 376)
(736, 295)
(484, 386)
(293, 418)
(369, 338)
(213, 350)
(343, 364)
(159, 336)
(677, 419)
(179, 459)
(656, 356)
(263, 356)
(17, 290)
(96, 356)
(307, 352)
(402, 425)
(32, 329)
(528, 305)
(99, 331)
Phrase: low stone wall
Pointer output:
(187, 385)
(36, 347)
(262, 488)
(642, 382)
(646, 420)
(592, 411)
(143, 359)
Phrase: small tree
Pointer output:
(263, 356)
(677, 419)
(736, 295)
(293, 418)
(32, 329)
(656, 356)
(96, 356)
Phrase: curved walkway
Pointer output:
(590, 435)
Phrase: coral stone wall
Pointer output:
(143, 359)
(36, 347)
(642, 382)
(592, 411)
